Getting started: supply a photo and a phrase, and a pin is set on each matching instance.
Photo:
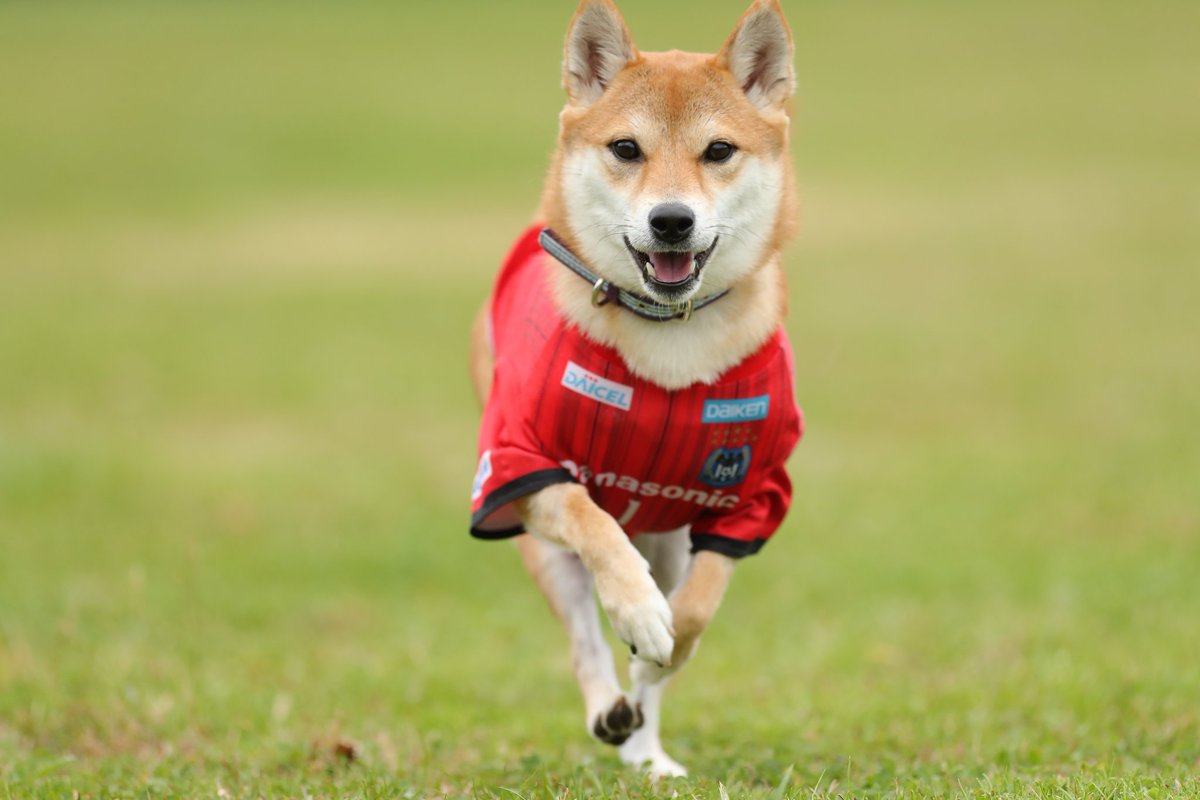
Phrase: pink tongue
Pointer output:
(671, 267)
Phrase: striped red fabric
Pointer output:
(563, 408)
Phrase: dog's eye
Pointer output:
(626, 149)
(719, 151)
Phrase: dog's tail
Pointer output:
(481, 356)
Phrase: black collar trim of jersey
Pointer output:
(605, 292)
(734, 548)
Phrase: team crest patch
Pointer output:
(726, 466)
(600, 389)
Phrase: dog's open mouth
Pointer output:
(671, 273)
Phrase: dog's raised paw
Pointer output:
(640, 615)
(616, 724)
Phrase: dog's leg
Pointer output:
(694, 600)
(563, 514)
(568, 589)
(668, 557)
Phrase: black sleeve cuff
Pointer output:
(514, 490)
(734, 548)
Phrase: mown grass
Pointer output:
(240, 248)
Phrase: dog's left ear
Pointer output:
(759, 55)
(598, 47)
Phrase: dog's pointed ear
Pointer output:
(598, 47)
(759, 55)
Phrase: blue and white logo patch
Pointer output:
(600, 389)
(745, 410)
(726, 466)
(481, 475)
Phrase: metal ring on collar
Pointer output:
(599, 295)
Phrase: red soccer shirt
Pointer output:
(563, 408)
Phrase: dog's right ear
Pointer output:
(759, 55)
(598, 47)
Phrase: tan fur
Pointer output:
(565, 515)
(480, 359)
(674, 104)
(696, 601)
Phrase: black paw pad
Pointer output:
(615, 726)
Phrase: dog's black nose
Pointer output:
(672, 222)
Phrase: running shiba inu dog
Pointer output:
(637, 385)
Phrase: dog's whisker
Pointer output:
(731, 229)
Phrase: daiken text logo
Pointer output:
(602, 390)
(745, 410)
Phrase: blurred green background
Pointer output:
(240, 248)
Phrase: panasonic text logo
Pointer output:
(747, 410)
(602, 390)
(715, 498)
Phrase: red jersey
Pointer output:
(563, 408)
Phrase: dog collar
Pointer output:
(605, 292)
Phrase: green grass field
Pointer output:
(240, 247)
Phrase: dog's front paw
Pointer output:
(614, 725)
(646, 753)
(640, 615)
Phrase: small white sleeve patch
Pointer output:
(481, 475)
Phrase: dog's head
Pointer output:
(672, 170)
